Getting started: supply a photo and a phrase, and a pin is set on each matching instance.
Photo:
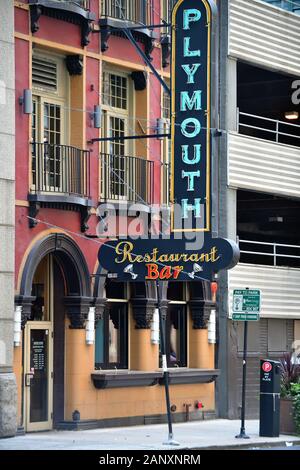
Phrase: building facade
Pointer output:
(8, 391)
(78, 349)
(85, 354)
(259, 186)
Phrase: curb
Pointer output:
(250, 446)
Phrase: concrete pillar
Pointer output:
(8, 387)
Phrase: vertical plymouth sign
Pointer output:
(191, 115)
(193, 99)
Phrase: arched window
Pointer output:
(111, 345)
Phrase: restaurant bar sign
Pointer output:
(176, 258)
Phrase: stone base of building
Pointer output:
(133, 421)
(8, 405)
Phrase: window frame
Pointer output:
(181, 362)
(112, 303)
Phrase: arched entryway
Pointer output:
(54, 295)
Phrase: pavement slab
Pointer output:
(214, 434)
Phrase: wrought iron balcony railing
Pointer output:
(127, 179)
(135, 11)
(289, 5)
(269, 129)
(85, 4)
(60, 169)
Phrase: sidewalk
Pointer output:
(216, 434)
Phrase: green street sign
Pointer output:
(246, 305)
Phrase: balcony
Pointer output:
(275, 270)
(119, 14)
(261, 33)
(73, 11)
(265, 156)
(127, 179)
(288, 5)
(60, 179)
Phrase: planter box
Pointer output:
(287, 424)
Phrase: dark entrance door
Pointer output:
(59, 344)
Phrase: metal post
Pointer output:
(243, 434)
(165, 368)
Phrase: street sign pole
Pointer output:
(170, 440)
(243, 434)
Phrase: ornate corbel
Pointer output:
(35, 13)
(86, 29)
(34, 208)
(165, 50)
(77, 310)
(26, 304)
(200, 313)
(74, 64)
(85, 214)
(149, 46)
(105, 35)
(100, 305)
(142, 310)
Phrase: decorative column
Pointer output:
(79, 356)
(144, 355)
(201, 353)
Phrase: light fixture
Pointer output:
(155, 327)
(291, 115)
(18, 325)
(90, 326)
(26, 101)
(97, 115)
(160, 127)
(276, 219)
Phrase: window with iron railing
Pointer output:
(289, 5)
(85, 4)
(136, 11)
(166, 11)
(265, 128)
(270, 254)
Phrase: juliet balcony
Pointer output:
(60, 178)
(73, 11)
(130, 180)
(137, 15)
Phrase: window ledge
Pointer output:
(117, 23)
(121, 379)
(62, 198)
(180, 376)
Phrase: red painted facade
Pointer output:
(58, 36)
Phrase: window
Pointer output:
(176, 326)
(277, 336)
(166, 11)
(176, 336)
(49, 121)
(111, 346)
(116, 164)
